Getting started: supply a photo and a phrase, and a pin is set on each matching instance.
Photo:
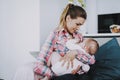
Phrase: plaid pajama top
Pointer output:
(55, 42)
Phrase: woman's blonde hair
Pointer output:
(74, 11)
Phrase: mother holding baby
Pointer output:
(71, 19)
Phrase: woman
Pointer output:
(71, 19)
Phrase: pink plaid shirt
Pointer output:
(55, 42)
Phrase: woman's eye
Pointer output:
(78, 24)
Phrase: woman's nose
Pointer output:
(78, 27)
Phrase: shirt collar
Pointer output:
(65, 33)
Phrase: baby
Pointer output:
(88, 48)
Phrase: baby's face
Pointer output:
(92, 50)
(90, 47)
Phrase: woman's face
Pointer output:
(72, 25)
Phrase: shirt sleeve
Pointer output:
(91, 60)
(81, 55)
(86, 59)
(46, 50)
(47, 47)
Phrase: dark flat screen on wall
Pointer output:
(105, 20)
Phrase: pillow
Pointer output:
(107, 66)
(105, 47)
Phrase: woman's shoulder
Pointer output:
(55, 31)
(58, 30)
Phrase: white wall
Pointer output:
(19, 34)
(108, 6)
(49, 17)
(91, 23)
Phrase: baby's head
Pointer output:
(90, 45)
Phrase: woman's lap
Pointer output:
(64, 77)
(71, 77)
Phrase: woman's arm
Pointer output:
(70, 55)
(43, 57)
(85, 58)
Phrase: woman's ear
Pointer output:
(68, 18)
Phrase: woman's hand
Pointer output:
(69, 57)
